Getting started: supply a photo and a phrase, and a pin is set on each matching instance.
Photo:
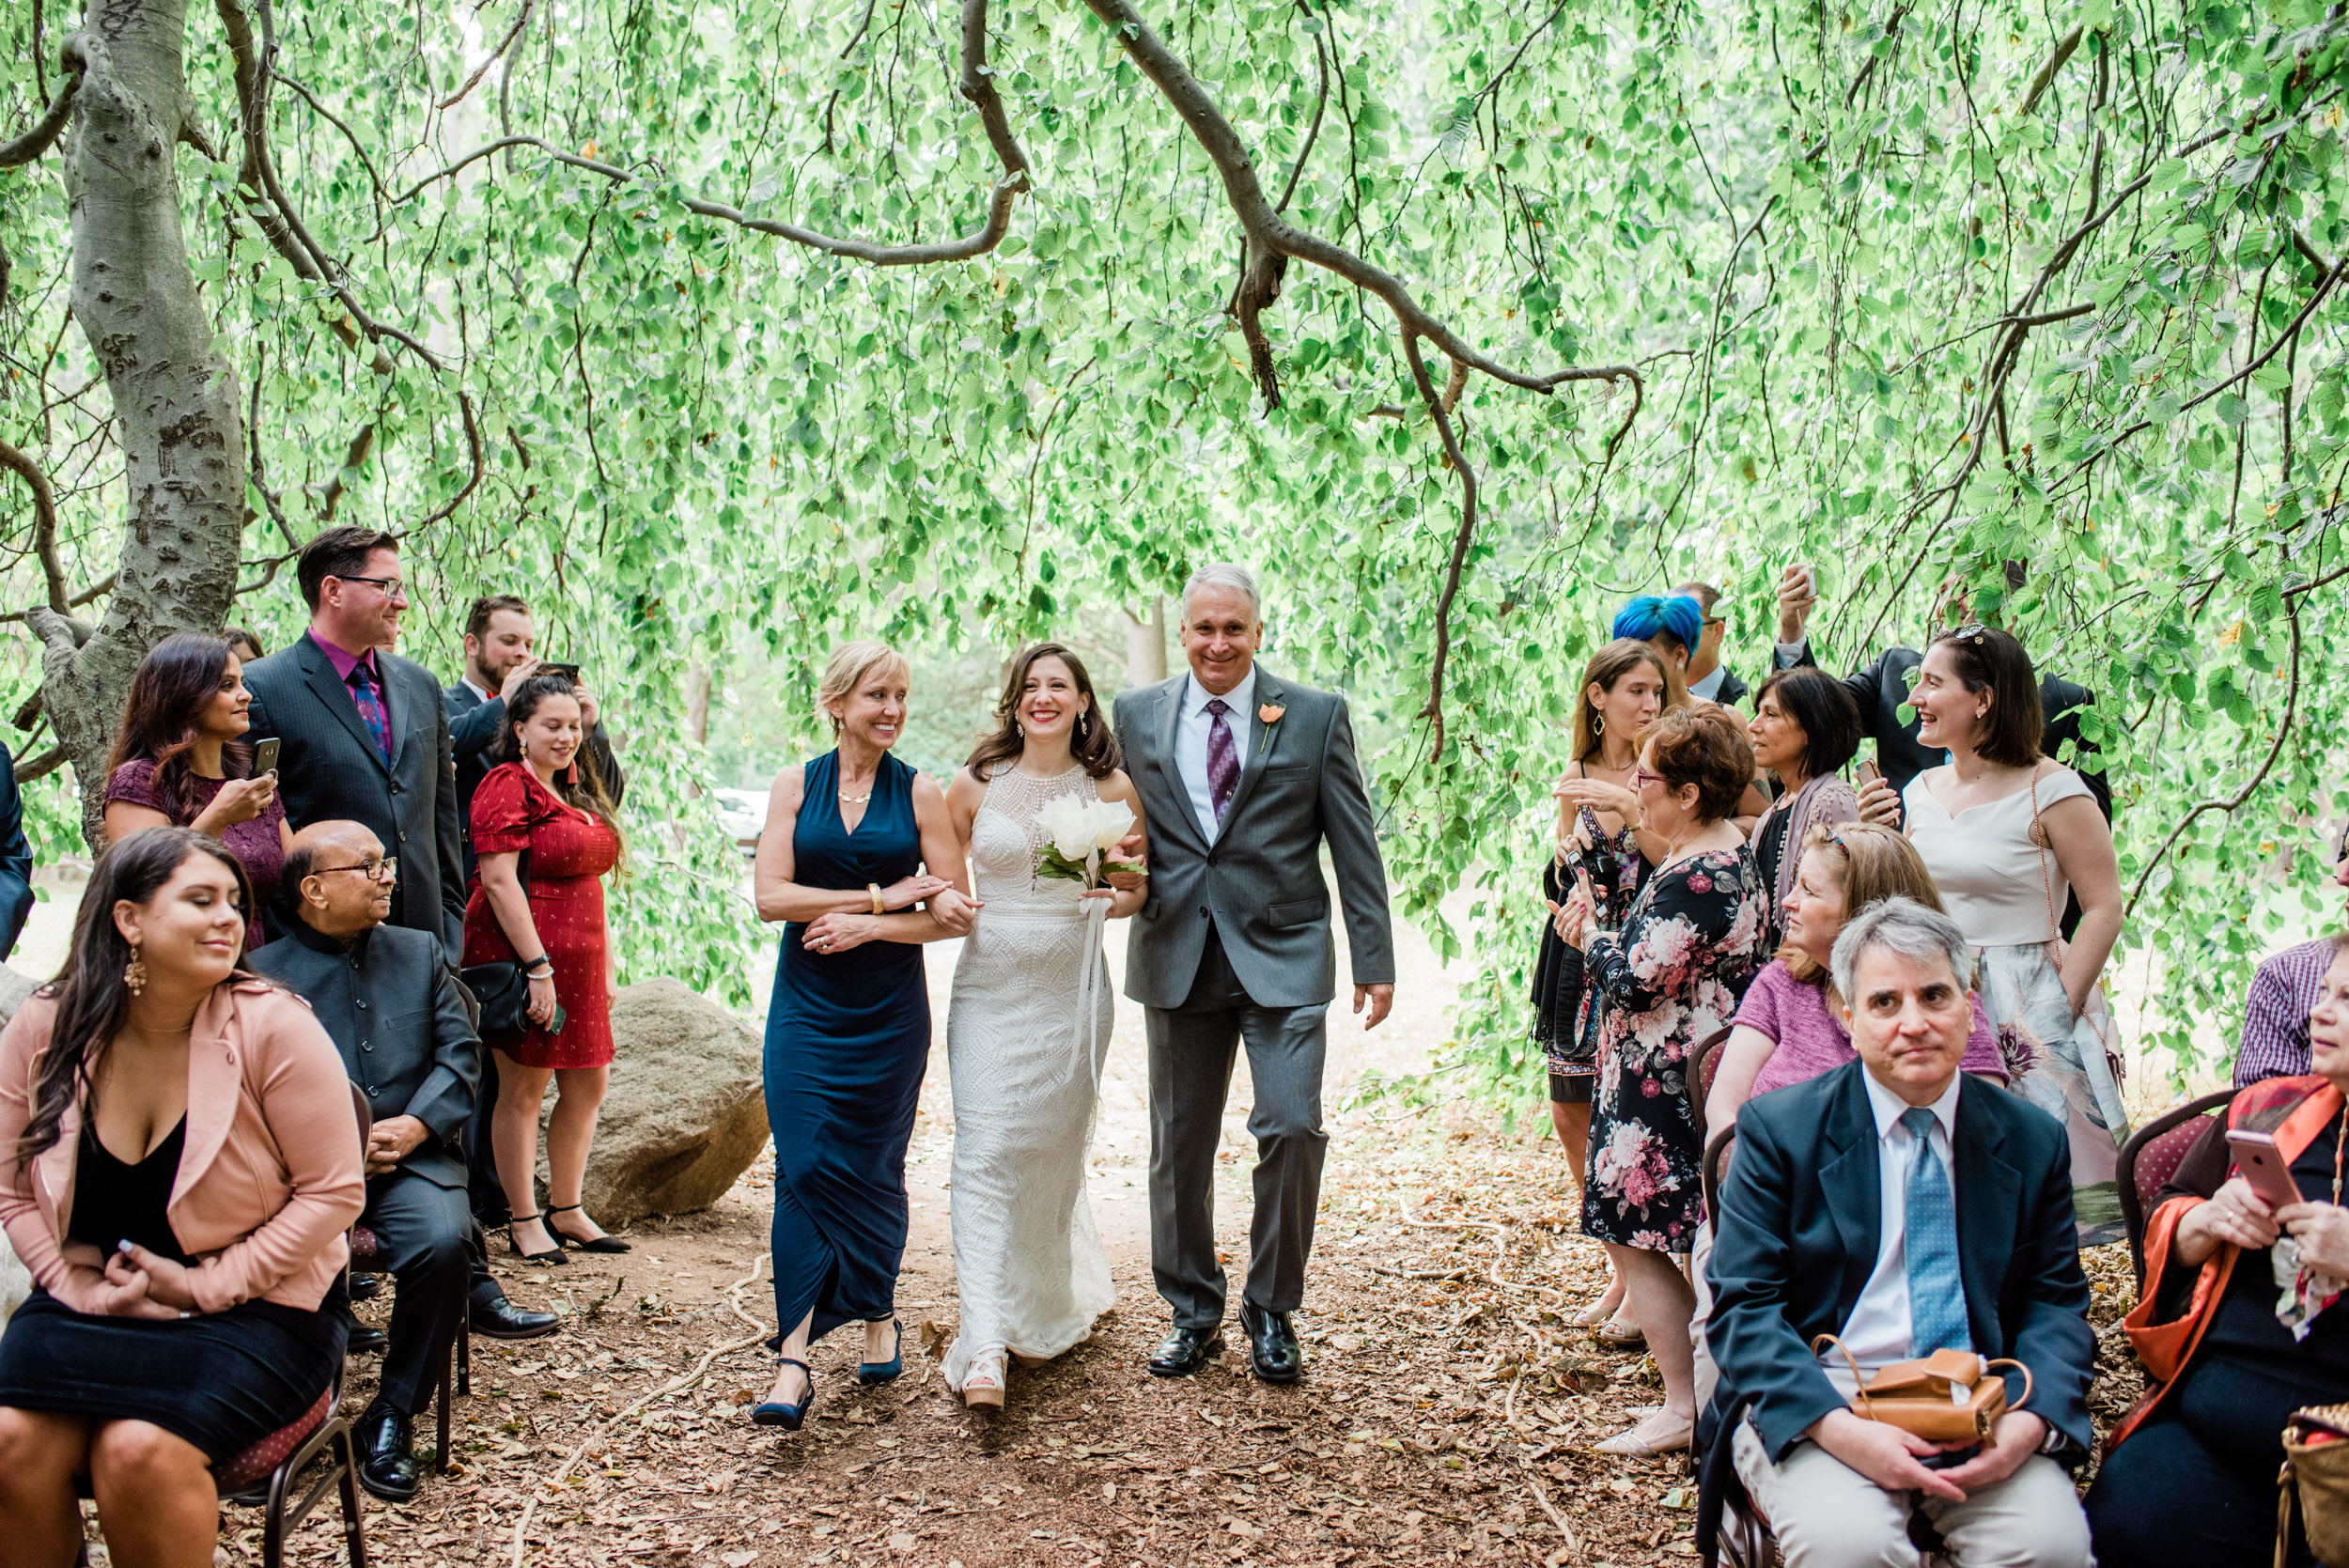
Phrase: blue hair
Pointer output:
(1678, 616)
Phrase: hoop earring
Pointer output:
(135, 973)
(1598, 722)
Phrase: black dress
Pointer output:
(222, 1380)
(2194, 1486)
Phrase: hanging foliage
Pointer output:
(725, 332)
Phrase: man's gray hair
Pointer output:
(1905, 926)
(1225, 574)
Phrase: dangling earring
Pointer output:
(135, 973)
(1598, 722)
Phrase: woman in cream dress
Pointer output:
(1027, 1031)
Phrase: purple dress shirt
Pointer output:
(2276, 1018)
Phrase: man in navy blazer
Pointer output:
(1904, 1208)
(365, 732)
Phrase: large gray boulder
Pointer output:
(685, 1115)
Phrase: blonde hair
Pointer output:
(1606, 671)
(846, 670)
(1873, 862)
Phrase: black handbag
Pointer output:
(500, 990)
(503, 993)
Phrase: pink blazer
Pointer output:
(271, 1175)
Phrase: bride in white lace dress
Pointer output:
(1027, 1031)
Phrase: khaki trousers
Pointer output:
(1826, 1514)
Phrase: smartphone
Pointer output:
(1869, 772)
(560, 1018)
(569, 672)
(2263, 1167)
(265, 757)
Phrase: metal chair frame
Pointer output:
(2133, 1206)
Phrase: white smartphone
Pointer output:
(2263, 1167)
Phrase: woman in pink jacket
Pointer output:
(178, 1161)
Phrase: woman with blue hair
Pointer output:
(1672, 624)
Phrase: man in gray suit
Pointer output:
(392, 1008)
(1243, 777)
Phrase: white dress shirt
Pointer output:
(1878, 1334)
(1190, 739)
(477, 690)
(1709, 686)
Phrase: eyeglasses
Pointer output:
(1641, 776)
(384, 870)
(1715, 620)
(393, 587)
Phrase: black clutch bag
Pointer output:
(503, 993)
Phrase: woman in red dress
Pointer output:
(544, 830)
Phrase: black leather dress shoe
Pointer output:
(1184, 1351)
(385, 1439)
(365, 1339)
(365, 1287)
(1273, 1347)
(494, 1318)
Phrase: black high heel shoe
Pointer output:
(553, 1255)
(564, 1239)
(774, 1412)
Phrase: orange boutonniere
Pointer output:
(1271, 713)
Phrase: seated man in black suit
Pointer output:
(393, 1010)
(1905, 1208)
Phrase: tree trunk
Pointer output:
(1146, 645)
(175, 400)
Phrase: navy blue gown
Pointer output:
(847, 1039)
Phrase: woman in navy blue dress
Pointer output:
(848, 1028)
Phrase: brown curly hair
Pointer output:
(1701, 746)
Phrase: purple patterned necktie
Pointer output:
(370, 708)
(1223, 760)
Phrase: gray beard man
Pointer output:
(1243, 778)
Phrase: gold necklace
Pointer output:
(848, 799)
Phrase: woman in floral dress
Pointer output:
(1673, 977)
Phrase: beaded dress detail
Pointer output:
(1025, 1051)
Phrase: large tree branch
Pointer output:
(976, 86)
(1461, 539)
(2046, 73)
(473, 480)
(452, 100)
(35, 142)
(44, 521)
(1270, 233)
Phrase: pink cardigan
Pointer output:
(271, 1174)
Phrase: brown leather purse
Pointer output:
(1951, 1396)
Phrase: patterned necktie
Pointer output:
(1223, 760)
(1936, 1292)
(370, 708)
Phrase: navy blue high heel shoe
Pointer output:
(773, 1412)
(870, 1372)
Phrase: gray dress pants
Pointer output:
(1191, 1076)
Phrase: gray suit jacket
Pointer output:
(1260, 883)
(392, 1009)
(330, 768)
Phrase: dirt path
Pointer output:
(1443, 1418)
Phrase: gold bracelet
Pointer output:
(878, 908)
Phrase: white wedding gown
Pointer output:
(1026, 1065)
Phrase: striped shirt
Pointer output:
(2276, 1018)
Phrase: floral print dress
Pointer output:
(1673, 977)
(1565, 1010)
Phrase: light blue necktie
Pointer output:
(1936, 1292)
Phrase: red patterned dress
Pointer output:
(568, 852)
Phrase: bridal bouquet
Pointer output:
(1077, 835)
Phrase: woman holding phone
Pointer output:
(180, 760)
(2241, 1320)
(546, 833)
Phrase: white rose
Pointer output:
(1066, 825)
(1112, 820)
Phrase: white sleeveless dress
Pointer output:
(1026, 1065)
